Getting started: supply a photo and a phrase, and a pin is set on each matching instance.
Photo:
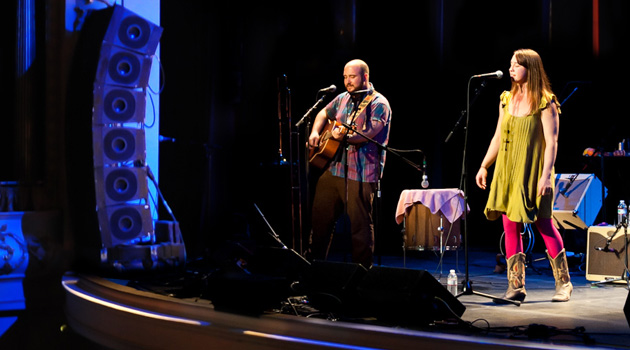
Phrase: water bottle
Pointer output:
(622, 212)
(451, 282)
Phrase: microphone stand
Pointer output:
(464, 112)
(467, 284)
(277, 238)
(306, 118)
(308, 113)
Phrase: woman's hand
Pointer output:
(482, 177)
(544, 187)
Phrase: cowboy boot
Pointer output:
(516, 279)
(560, 268)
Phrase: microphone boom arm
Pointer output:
(386, 148)
(463, 113)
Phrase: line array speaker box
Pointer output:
(118, 184)
(113, 145)
(605, 255)
(408, 295)
(133, 32)
(577, 200)
(118, 138)
(119, 66)
(114, 105)
(125, 224)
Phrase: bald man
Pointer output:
(353, 172)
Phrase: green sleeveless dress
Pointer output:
(518, 167)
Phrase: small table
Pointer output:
(423, 211)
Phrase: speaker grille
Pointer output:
(605, 261)
(116, 105)
(126, 224)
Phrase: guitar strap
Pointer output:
(366, 101)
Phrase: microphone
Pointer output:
(495, 75)
(359, 92)
(331, 88)
(425, 181)
(606, 249)
(425, 178)
(572, 178)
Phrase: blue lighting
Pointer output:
(307, 341)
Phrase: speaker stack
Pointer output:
(121, 175)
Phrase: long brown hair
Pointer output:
(537, 79)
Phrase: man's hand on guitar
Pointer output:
(339, 131)
(313, 140)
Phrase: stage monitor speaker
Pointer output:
(407, 295)
(577, 200)
(332, 286)
(605, 255)
(626, 309)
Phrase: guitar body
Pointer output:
(328, 147)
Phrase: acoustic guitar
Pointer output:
(328, 146)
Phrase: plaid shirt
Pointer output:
(364, 160)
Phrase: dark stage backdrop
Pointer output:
(223, 61)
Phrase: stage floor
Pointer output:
(594, 315)
(593, 318)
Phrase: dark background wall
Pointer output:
(226, 62)
(223, 63)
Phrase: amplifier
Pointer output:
(605, 257)
(577, 200)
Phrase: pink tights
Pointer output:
(514, 240)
